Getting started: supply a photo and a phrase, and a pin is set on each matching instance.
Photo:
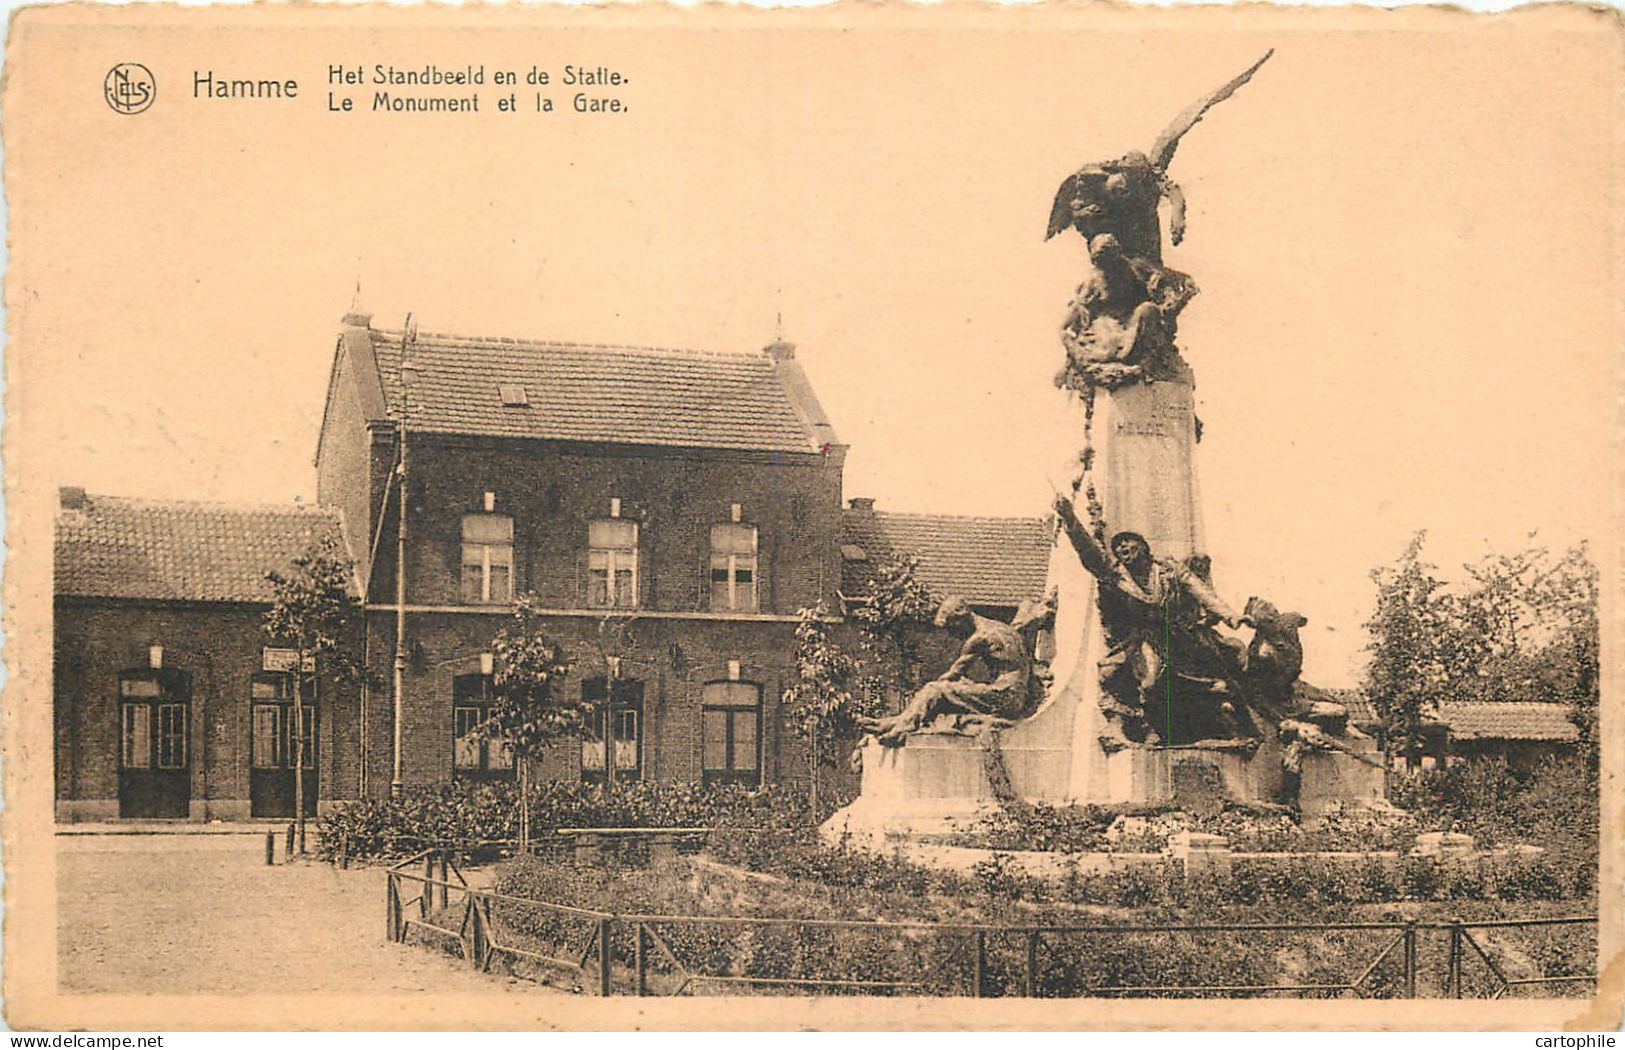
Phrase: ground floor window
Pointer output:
(616, 728)
(472, 752)
(136, 746)
(271, 699)
(153, 732)
(730, 713)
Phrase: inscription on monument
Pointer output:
(1198, 787)
(1167, 416)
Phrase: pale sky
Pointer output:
(1409, 314)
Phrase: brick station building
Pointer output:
(670, 511)
(163, 706)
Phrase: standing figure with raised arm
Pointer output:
(1155, 612)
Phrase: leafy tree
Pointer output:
(890, 609)
(315, 612)
(530, 710)
(1519, 626)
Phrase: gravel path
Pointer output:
(189, 914)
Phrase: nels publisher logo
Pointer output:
(129, 87)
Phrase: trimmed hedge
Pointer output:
(472, 813)
(1554, 806)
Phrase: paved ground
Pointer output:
(188, 913)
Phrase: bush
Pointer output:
(1041, 826)
(1553, 804)
(464, 813)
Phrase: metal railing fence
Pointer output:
(652, 954)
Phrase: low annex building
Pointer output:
(1519, 732)
(167, 702)
(992, 563)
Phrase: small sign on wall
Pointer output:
(284, 659)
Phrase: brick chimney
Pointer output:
(73, 497)
(862, 504)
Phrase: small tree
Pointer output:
(530, 710)
(891, 608)
(829, 692)
(1406, 673)
(314, 611)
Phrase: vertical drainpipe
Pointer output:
(408, 369)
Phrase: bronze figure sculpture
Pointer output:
(1120, 328)
(1005, 695)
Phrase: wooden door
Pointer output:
(271, 746)
(155, 752)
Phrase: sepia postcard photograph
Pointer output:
(883, 517)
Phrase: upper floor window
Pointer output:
(471, 750)
(487, 558)
(733, 567)
(612, 564)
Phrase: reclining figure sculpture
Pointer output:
(955, 695)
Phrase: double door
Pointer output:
(271, 785)
(155, 753)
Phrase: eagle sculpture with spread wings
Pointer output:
(1120, 197)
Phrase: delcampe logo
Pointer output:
(129, 87)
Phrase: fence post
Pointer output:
(1455, 959)
(445, 878)
(392, 906)
(270, 847)
(603, 957)
(1410, 959)
(344, 850)
(1030, 975)
(476, 934)
(290, 842)
(979, 974)
(642, 962)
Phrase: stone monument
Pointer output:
(1153, 692)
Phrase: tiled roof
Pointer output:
(116, 547)
(627, 395)
(986, 561)
(1510, 721)
(1361, 711)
